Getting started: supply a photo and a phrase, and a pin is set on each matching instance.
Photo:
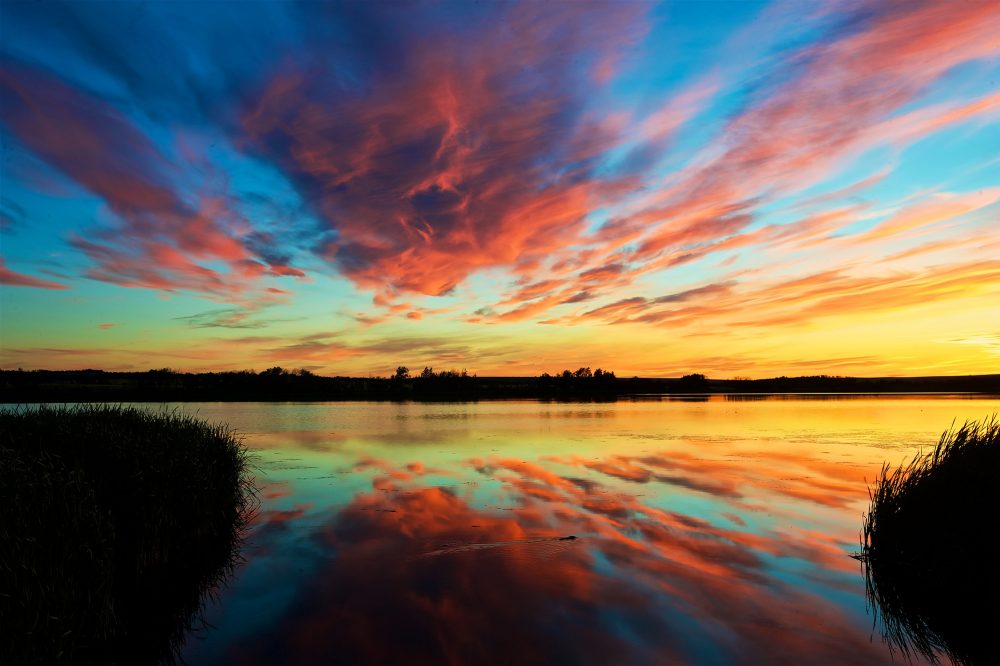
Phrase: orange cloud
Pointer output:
(465, 181)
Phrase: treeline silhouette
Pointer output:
(165, 385)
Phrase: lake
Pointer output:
(703, 530)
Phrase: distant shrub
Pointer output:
(930, 553)
(114, 524)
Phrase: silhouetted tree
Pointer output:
(694, 382)
(603, 376)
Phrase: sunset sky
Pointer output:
(733, 188)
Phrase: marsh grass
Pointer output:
(930, 552)
(116, 525)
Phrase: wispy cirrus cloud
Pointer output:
(988, 341)
(832, 108)
(166, 236)
(798, 301)
(228, 318)
(472, 150)
(797, 133)
(15, 279)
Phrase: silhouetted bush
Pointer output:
(930, 552)
(114, 524)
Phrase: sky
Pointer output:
(739, 189)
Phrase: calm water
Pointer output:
(709, 532)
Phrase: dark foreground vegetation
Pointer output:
(280, 384)
(115, 523)
(930, 551)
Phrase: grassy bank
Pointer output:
(930, 551)
(114, 523)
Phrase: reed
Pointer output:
(116, 525)
(929, 550)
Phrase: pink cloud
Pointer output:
(839, 103)
(163, 235)
(803, 131)
(940, 208)
(460, 143)
(15, 279)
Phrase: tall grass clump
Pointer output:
(930, 550)
(115, 523)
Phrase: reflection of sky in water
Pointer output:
(710, 532)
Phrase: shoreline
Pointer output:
(641, 397)
(279, 385)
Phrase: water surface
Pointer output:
(709, 531)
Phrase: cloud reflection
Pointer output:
(418, 573)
